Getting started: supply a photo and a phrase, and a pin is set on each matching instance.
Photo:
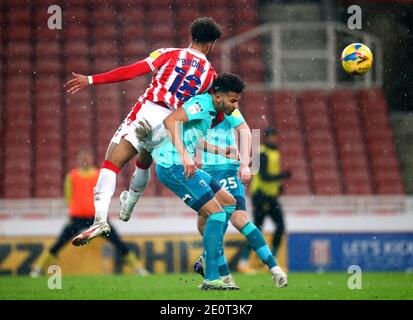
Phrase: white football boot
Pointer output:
(279, 277)
(229, 280)
(96, 230)
(126, 208)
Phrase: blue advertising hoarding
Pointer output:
(336, 252)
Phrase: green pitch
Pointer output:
(184, 286)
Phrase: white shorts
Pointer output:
(150, 112)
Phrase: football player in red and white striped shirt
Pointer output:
(179, 74)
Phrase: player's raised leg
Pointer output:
(117, 155)
(139, 181)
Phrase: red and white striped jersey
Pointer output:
(180, 74)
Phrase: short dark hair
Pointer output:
(228, 82)
(205, 29)
(270, 131)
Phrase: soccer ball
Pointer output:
(356, 58)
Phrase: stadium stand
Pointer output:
(351, 150)
(294, 159)
(337, 142)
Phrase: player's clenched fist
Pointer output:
(77, 83)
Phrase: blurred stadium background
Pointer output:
(347, 140)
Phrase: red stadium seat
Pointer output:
(78, 124)
(105, 15)
(46, 48)
(133, 18)
(20, 49)
(78, 64)
(76, 47)
(161, 32)
(19, 66)
(17, 186)
(317, 122)
(256, 110)
(107, 118)
(327, 187)
(76, 31)
(104, 31)
(356, 187)
(294, 153)
(372, 101)
(19, 32)
(161, 16)
(137, 49)
(296, 189)
(76, 15)
(104, 64)
(105, 48)
(19, 15)
(247, 17)
(48, 65)
(185, 17)
(380, 146)
(390, 188)
(321, 146)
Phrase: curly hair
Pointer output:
(228, 82)
(205, 29)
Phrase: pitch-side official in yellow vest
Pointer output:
(266, 187)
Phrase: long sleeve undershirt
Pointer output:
(123, 73)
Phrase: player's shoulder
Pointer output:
(199, 103)
(236, 114)
(235, 118)
(158, 52)
(203, 99)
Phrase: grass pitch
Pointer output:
(302, 286)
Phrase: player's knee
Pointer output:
(225, 198)
(228, 200)
(144, 159)
(121, 153)
(211, 207)
(239, 219)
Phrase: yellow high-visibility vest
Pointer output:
(270, 188)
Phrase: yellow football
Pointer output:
(356, 58)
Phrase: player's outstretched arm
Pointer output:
(116, 75)
(77, 83)
(172, 124)
(122, 73)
